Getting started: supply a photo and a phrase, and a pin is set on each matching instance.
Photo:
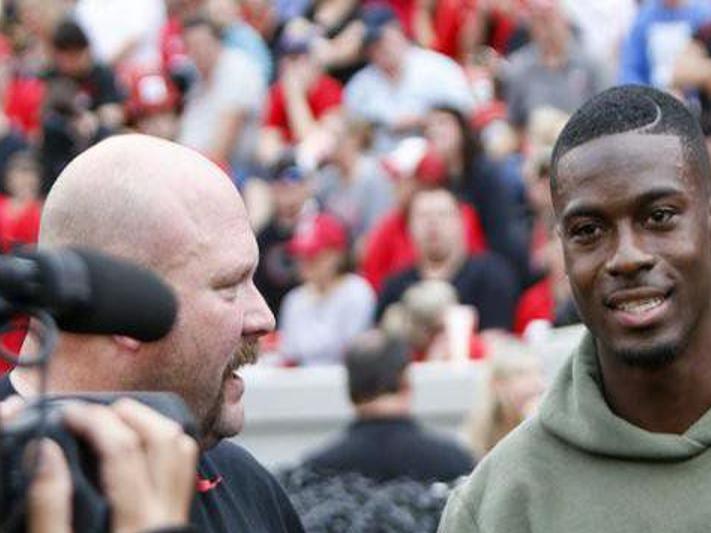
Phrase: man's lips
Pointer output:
(233, 387)
(631, 299)
(638, 308)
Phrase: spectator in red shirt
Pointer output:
(413, 166)
(485, 281)
(303, 95)
(20, 209)
(21, 92)
(446, 26)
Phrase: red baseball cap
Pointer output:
(415, 158)
(150, 92)
(316, 234)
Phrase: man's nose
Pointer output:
(629, 255)
(259, 319)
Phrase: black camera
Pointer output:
(91, 512)
(81, 291)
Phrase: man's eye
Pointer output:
(662, 216)
(585, 233)
(228, 292)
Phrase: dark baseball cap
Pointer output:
(296, 38)
(376, 18)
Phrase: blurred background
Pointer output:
(394, 159)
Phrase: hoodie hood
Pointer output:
(575, 411)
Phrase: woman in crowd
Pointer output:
(319, 317)
(475, 180)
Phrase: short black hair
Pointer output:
(69, 36)
(634, 108)
(375, 363)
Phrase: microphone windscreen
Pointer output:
(125, 299)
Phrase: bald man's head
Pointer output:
(138, 197)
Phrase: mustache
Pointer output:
(248, 353)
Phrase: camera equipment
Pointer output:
(89, 292)
(86, 292)
(91, 512)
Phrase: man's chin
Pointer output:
(228, 424)
(648, 353)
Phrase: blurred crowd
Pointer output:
(393, 154)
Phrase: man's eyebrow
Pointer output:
(584, 209)
(231, 275)
(580, 209)
(657, 194)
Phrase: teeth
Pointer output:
(640, 306)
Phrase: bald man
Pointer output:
(166, 207)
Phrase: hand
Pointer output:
(147, 463)
(147, 467)
(49, 497)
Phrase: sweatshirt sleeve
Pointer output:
(457, 516)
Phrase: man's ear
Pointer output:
(127, 343)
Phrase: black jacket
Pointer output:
(389, 448)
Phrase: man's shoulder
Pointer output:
(332, 455)
(238, 468)
(400, 280)
(356, 285)
(247, 494)
(423, 57)
(297, 299)
(485, 263)
(366, 77)
(229, 456)
(449, 456)
(508, 472)
(522, 60)
(234, 58)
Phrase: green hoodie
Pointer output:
(578, 468)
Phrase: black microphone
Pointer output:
(89, 292)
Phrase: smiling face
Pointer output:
(165, 207)
(221, 315)
(635, 226)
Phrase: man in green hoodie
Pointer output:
(621, 442)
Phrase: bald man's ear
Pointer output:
(127, 343)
